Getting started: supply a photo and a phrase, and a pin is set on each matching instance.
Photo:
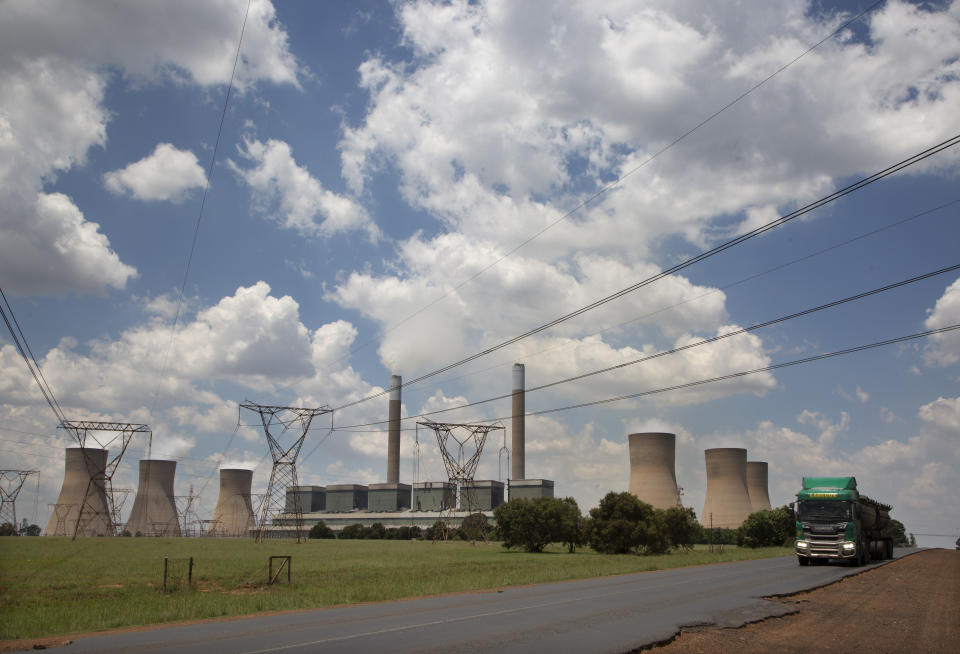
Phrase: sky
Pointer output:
(397, 186)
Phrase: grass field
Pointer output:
(54, 586)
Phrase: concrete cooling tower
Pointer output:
(757, 486)
(727, 500)
(652, 471)
(233, 517)
(154, 509)
(82, 465)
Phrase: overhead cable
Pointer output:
(827, 199)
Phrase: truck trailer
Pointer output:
(834, 521)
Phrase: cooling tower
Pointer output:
(233, 517)
(82, 465)
(727, 500)
(393, 431)
(518, 436)
(154, 509)
(652, 472)
(757, 486)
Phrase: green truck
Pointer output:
(834, 521)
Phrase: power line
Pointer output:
(866, 181)
(689, 346)
(610, 186)
(20, 340)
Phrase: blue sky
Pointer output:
(378, 156)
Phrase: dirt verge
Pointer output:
(908, 605)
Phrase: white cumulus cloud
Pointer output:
(944, 349)
(166, 174)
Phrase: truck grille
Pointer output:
(824, 544)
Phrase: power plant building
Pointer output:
(312, 498)
(388, 497)
(652, 469)
(433, 496)
(84, 485)
(343, 498)
(757, 486)
(529, 488)
(481, 495)
(233, 517)
(154, 510)
(727, 502)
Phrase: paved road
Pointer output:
(610, 614)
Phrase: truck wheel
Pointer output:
(802, 560)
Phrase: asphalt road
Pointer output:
(609, 614)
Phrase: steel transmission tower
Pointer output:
(103, 474)
(11, 482)
(285, 445)
(461, 446)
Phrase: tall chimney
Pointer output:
(393, 431)
(518, 436)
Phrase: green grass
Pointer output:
(54, 586)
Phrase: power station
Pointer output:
(233, 517)
(727, 502)
(154, 510)
(757, 486)
(82, 508)
(653, 477)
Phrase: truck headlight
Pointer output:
(802, 544)
(849, 547)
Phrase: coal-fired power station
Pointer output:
(727, 502)
(653, 476)
(84, 489)
(757, 486)
(154, 510)
(518, 425)
(233, 517)
(393, 431)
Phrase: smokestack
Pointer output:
(518, 435)
(393, 431)
(653, 477)
(757, 486)
(154, 509)
(81, 465)
(727, 498)
(233, 517)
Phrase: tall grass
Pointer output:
(54, 586)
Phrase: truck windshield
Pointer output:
(820, 510)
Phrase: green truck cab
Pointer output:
(834, 521)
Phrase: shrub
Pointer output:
(352, 532)
(682, 527)
(473, 527)
(321, 530)
(534, 523)
(622, 524)
(767, 528)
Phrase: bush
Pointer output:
(622, 524)
(771, 528)
(895, 530)
(473, 527)
(682, 527)
(439, 531)
(534, 523)
(321, 530)
(352, 532)
(7, 529)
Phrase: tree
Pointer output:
(8, 529)
(376, 531)
(682, 526)
(473, 527)
(767, 528)
(534, 523)
(352, 532)
(567, 521)
(321, 530)
(622, 524)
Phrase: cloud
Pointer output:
(167, 174)
(862, 395)
(52, 113)
(942, 412)
(944, 349)
(301, 203)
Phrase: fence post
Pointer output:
(164, 573)
(190, 574)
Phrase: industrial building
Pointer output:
(233, 517)
(311, 498)
(529, 488)
(653, 476)
(82, 496)
(727, 502)
(154, 510)
(757, 486)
